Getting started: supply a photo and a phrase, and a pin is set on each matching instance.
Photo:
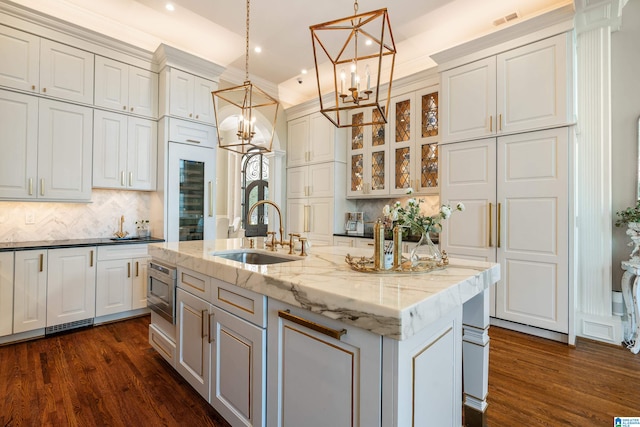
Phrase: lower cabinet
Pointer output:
(316, 378)
(71, 285)
(222, 355)
(6, 293)
(121, 279)
(30, 291)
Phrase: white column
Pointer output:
(594, 23)
(277, 180)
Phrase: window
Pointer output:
(255, 187)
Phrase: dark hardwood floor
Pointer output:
(109, 375)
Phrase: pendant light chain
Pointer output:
(246, 57)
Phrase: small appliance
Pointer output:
(354, 223)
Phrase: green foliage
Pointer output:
(628, 215)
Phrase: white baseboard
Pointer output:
(599, 328)
(526, 329)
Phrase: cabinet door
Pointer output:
(347, 242)
(139, 282)
(23, 70)
(297, 182)
(112, 84)
(533, 229)
(181, 94)
(298, 142)
(143, 92)
(468, 102)
(66, 72)
(71, 285)
(19, 145)
(113, 287)
(319, 213)
(30, 291)
(142, 154)
(322, 135)
(192, 336)
(192, 133)
(64, 151)
(203, 100)
(297, 216)
(532, 86)
(321, 180)
(238, 371)
(469, 177)
(427, 138)
(6, 293)
(318, 380)
(403, 136)
(357, 177)
(109, 150)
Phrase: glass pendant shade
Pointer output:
(246, 102)
(354, 57)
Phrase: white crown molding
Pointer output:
(167, 56)
(592, 14)
(42, 25)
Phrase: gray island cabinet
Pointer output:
(311, 342)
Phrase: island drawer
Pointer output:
(195, 283)
(246, 304)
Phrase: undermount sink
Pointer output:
(255, 257)
(122, 239)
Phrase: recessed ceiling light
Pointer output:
(170, 7)
(303, 71)
(257, 49)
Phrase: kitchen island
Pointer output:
(390, 344)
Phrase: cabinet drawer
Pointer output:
(106, 253)
(192, 133)
(162, 344)
(244, 303)
(195, 283)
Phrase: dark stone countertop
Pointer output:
(387, 236)
(74, 243)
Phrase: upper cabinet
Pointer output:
(126, 88)
(190, 96)
(314, 139)
(23, 70)
(522, 89)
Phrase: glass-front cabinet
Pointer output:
(388, 159)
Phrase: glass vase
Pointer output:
(425, 251)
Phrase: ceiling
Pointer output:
(215, 30)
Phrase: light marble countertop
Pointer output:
(395, 305)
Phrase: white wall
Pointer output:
(625, 107)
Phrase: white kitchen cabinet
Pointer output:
(66, 72)
(19, 145)
(314, 218)
(64, 151)
(71, 285)
(121, 279)
(30, 291)
(190, 97)
(191, 133)
(238, 368)
(314, 139)
(527, 88)
(124, 152)
(6, 293)
(402, 111)
(516, 191)
(126, 88)
(316, 180)
(23, 70)
(317, 378)
(346, 242)
(193, 341)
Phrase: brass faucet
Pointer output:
(274, 242)
(120, 234)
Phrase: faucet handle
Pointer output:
(303, 246)
(291, 236)
(271, 245)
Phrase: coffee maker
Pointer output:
(354, 223)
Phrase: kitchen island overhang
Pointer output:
(395, 306)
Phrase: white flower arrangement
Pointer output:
(410, 216)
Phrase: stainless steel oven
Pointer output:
(161, 290)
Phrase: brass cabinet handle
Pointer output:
(211, 337)
(128, 269)
(91, 258)
(122, 178)
(490, 123)
(499, 225)
(42, 186)
(130, 179)
(210, 198)
(500, 122)
(306, 226)
(195, 141)
(31, 186)
(490, 225)
(137, 268)
(204, 317)
(333, 333)
(44, 89)
(41, 262)
(33, 87)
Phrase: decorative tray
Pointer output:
(367, 265)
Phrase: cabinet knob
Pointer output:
(197, 116)
(124, 107)
(44, 89)
(33, 87)
(131, 108)
(190, 115)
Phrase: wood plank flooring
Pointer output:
(109, 375)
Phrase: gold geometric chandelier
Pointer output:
(245, 102)
(362, 53)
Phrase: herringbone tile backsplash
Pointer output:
(57, 221)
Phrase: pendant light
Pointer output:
(361, 53)
(245, 102)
